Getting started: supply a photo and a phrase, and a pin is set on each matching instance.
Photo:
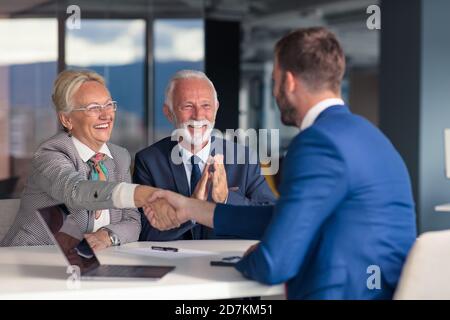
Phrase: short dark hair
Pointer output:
(314, 55)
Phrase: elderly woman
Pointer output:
(81, 169)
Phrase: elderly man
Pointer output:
(191, 104)
(345, 220)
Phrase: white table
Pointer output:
(40, 273)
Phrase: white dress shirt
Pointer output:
(122, 195)
(87, 153)
(315, 111)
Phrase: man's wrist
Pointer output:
(201, 211)
(192, 209)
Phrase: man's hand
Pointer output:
(202, 189)
(161, 215)
(166, 210)
(98, 240)
(219, 180)
(185, 209)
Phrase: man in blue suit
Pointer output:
(196, 163)
(345, 221)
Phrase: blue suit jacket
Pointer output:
(345, 209)
(154, 167)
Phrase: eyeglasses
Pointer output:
(96, 109)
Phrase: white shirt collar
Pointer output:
(86, 153)
(315, 111)
(202, 154)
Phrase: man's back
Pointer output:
(373, 226)
(345, 218)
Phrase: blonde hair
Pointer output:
(67, 83)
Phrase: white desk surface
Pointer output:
(40, 273)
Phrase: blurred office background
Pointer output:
(397, 77)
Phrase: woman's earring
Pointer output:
(69, 131)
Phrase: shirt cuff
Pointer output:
(123, 195)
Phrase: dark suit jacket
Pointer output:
(154, 167)
(344, 220)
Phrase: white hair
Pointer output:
(186, 74)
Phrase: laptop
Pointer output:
(78, 252)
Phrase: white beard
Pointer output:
(197, 139)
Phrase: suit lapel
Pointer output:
(113, 175)
(81, 166)
(178, 172)
(81, 216)
(215, 146)
(111, 167)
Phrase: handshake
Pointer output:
(163, 209)
(167, 210)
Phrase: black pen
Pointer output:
(164, 248)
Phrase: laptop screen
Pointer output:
(67, 236)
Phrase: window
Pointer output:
(116, 50)
(27, 71)
(117, 43)
(178, 44)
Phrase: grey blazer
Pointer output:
(58, 175)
